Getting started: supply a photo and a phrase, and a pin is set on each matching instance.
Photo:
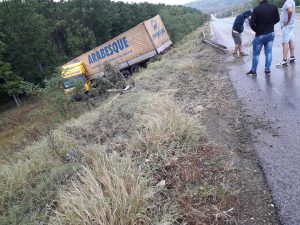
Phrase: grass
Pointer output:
(20, 127)
(110, 191)
(144, 158)
(29, 185)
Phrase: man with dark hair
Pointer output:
(262, 22)
(287, 22)
(237, 30)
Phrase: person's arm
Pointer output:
(253, 21)
(290, 13)
(277, 17)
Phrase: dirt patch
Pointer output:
(201, 182)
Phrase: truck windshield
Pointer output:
(74, 81)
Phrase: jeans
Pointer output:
(265, 40)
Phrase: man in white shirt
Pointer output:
(287, 21)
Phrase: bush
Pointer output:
(55, 96)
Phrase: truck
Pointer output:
(126, 52)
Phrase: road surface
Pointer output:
(272, 104)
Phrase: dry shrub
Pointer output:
(111, 192)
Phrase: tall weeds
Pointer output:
(109, 192)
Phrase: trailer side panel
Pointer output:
(119, 51)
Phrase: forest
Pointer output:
(38, 36)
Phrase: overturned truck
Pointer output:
(126, 52)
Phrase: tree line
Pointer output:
(37, 36)
(278, 3)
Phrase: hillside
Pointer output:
(216, 6)
(171, 151)
(57, 31)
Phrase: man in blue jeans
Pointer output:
(262, 22)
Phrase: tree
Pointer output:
(29, 48)
(54, 94)
(9, 82)
(80, 39)
(41, 35)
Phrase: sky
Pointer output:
(167, 2)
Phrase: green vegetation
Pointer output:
(42, 35)
(10, 83)
(278, 3)
(220, 7)
(54, 94)
(140, 158)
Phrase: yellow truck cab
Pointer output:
(73, 74)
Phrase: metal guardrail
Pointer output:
(212, 43)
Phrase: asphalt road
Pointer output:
(272, 104)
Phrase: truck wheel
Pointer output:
(135, 69)
(126, 73)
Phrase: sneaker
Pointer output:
(292, 60)
(267, 72)
(252, 73)
(282, 63)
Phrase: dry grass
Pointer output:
(109, 192)
(144, 159)
(164, 127)
(30, 184)
(19, 127)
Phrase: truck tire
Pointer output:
(135, 69)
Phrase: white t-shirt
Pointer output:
(284, 13)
